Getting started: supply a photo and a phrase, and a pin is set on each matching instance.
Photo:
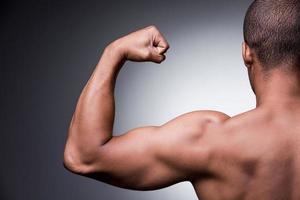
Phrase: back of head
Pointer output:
(272, 30)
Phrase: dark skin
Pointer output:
(254, 155)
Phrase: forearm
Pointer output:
(92, 122)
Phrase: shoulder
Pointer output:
(214, 116)
(196, 121)
(188, 131)
(207, 116)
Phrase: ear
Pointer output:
(247, 55)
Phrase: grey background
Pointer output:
(50, 48)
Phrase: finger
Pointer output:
(161, 50)
(157, 58)
(161, 45)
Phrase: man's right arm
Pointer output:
(154, 157)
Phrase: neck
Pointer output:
(278, 88)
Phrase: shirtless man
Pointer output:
(253, 156)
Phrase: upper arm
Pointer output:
(155, 157)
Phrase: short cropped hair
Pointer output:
(272, 30)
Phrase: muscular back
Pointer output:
(256, 155)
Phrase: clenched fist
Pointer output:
(146, 44)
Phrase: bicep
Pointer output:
(133, 161)
(153, 157)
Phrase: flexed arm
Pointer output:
(144, 158)
(92, 123)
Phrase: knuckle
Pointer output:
(152, 27)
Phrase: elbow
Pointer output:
(72, 162)
(80, 157)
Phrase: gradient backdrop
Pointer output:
(49, 50)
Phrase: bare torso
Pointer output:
(256, 156)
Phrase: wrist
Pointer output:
(112, 58)
(116, 48)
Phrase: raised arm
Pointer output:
(143, 158)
